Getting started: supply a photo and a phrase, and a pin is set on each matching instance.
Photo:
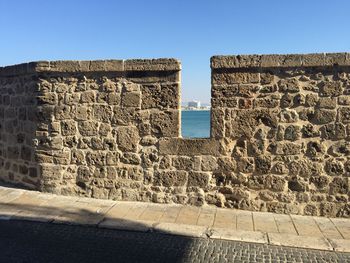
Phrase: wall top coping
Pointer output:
(275, 60)
(161, 64)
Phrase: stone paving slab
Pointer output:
(341, 245)
(184, 230)
(289, 240)
(238, 235)
(204, 222)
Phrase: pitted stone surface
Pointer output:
(280, 131)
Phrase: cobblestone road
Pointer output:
(22, 241)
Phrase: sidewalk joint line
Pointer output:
(296, 230)
(319, 227)
(337, 228)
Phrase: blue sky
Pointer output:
(189, 30)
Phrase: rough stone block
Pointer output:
(286, 148)
(162, 64)
(217, 123)
(330, 88)
(189, 147)
(240, 61)
(88, 97)
(322, 116)
(102, 113)
(128, 138)
(235, 78)
(344, 114)
(198, 179)
(183, 163)
(88, 128)
(166, 124)
(51, 172)
(68, 127)
(313, 60)
(131, 99)
(170, 178)
(208, 163)
(336, 59)
(160, 96)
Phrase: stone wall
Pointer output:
(280, 132)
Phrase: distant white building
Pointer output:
(194, 104)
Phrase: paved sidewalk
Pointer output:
(203, 222)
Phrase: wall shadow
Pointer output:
(24, 240)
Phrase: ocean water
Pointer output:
(195, 124)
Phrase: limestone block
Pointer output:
(339, 185)
(128, 138)
(51, 172)
(189, 147)
(262, 164)
(160, 96)
(47, 98)
(290, 60)
(112, 158)
(292, 133)
(289, 85)
(131, 158)
(322, 116)
(88, 128)
(77, 156)
(339, 149)
(286, 100)
(166, 124)
(315, 149)
(327, 103)
(198, 179)
(95, 158)
(224, 78)
(63, 112)
(334, 167)
(113, 99)
(88, 97)
(336, 59)
(330, 89)
(102, 113)
(149, 156)
(285, 148)
(217, 123)
(311, 100)
(26, 153)
(309, 131)
(312, 60)
(267, 102)
(68, 127)
(208, 163)
(344, 100)
(123, 116)
(104, 129)
(131, 99)
(246, 121)
(245, 165)
(344, 114)
(162, 64)
(182, 163)
(72, 98)
(170, 178)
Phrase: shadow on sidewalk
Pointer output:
(27, 240)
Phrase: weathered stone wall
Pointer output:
(286, 121)
(18, 124)
(280, 132)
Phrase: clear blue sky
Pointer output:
(189, 30)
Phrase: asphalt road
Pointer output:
(23, 241)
